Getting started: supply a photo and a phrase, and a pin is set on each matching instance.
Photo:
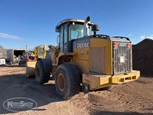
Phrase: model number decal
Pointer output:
(82, 45)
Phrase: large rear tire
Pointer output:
(67, 81)
(41, 75)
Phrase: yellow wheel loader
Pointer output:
(39, 52)
(85, 58)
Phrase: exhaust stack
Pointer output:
(85, 25)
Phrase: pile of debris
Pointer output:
(143, 57)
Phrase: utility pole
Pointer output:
(26, 48)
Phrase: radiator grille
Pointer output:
(96, 60)
(122, 59)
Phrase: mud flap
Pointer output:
(85, 89)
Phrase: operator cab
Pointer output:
(71, 29)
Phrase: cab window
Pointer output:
(77, 31)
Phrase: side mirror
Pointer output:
(58, 39)
(57, 29)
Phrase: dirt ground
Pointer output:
(134, 98)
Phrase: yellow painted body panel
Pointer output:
(82, 53)
(81, 59)
(107, 45)
(97, 81)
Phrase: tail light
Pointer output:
(116, 45)
(129, 45)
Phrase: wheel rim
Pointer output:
(61, 83)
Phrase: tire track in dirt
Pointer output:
(17, 85)
(134, 97)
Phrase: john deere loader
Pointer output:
(85, 58)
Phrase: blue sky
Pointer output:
(32, 22)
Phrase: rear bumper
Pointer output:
(97, 81)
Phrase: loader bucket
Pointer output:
(30, 68)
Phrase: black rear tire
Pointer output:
(67, 81)
(20, 63)
(41, 75)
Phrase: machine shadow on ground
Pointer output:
(118, 113)
(23, 65)
(17, 85)
(146, 76)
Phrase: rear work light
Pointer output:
(129, 45)
(116, 45)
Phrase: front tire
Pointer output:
(67, 81)
(41, 75)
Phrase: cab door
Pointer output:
(61, 45)
(63, 38)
